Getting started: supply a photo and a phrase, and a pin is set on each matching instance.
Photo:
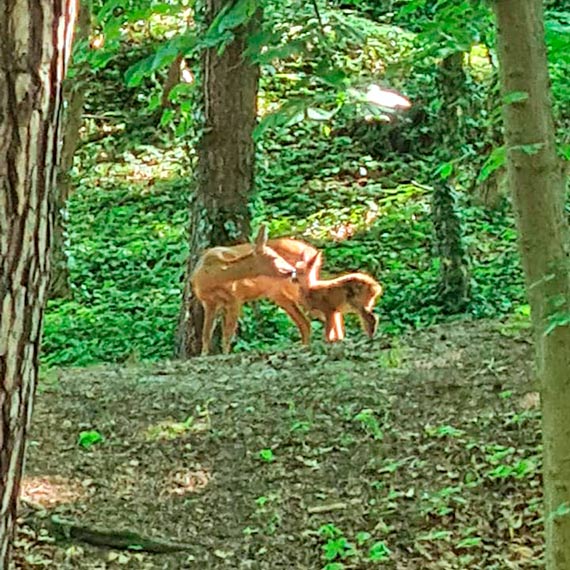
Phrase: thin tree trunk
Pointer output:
(172, 80)
(33, 60)
(74, 94)
(538, 189)
(453, 290)
(219, 212)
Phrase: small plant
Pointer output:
(337, 547)
(300, 426)
(169, 429)
(391, 358)
(268, 514)
(267, 455)
(369, 422)
(378, 552)
(443, 431)
(87, 439)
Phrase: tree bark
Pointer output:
(219, 211)
(34, 46)
(538, 189)
(74, 94)
(453, 288)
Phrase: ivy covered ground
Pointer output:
(359, 189)
(416, 454)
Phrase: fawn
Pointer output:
(221, 276)
(331, 298)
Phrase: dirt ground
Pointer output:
(420, 455)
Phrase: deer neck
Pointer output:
(236, 269)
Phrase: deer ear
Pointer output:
(261, 238)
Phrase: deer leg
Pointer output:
(297, 316)
(231, 316)
(339, 325)
(369, 322)
(210, 310)
(330, 330)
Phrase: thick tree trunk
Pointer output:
(453, 290)
(219, 212)
(538, 189)
(34, 44)
(74, 94)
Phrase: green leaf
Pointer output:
(469, 542)
(87, 439)
(445, 170)
(529, 149)
(167, 117)
(267, 455)
(231, 17)
(556, 320)
(496, 160)
(515, 97)
(562, 510)
(379, 551)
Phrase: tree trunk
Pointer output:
(74, 94)
(35, 38)
(219, 211)
(538, 190)
(453, 289)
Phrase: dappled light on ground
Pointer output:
(51, 491)
(186, 482)
(420, 453)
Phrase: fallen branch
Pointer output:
(64, 529)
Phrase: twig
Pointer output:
(318, 14)
(327, 508)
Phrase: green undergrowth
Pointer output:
(128, 247)
(339, 183)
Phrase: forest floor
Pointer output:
(419, 455)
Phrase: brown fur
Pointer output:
(226, 276)
(330, 299)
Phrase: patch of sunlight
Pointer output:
(516, 323)
(479, 60)
(171, 429)
(266, 106)
(165, 24)
(341, 223)
(186, 481)
(164, 230)
(148, 165)
(50, 491)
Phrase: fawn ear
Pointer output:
(261, 239)
(316, 261)
(314, 266)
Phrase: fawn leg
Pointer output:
(210, 310)
(339, 325)
(330, 329)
